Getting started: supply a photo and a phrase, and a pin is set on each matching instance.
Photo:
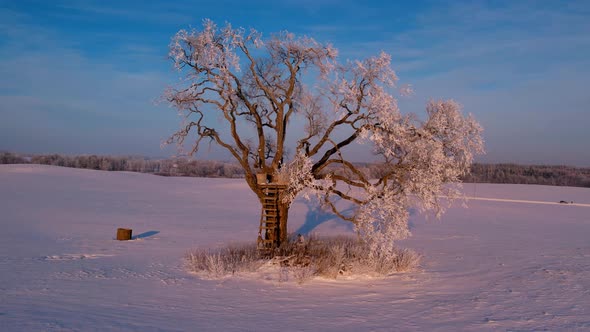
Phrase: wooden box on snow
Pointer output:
(123, 234)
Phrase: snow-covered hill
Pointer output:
(493, 266)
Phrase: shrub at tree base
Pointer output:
(331, 257)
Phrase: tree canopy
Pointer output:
(245, 93)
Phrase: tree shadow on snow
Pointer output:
(412, 212)
(146, 234)
(316, 215)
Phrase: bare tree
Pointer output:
(246, 94)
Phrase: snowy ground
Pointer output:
(494, 266)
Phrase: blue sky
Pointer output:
(83, 76)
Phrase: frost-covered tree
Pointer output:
(251, 95)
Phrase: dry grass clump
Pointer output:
(328, 257)
(225, 261)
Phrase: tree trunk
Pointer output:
(273, 221)
(283, 217)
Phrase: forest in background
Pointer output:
(480, 173)
(164, 167)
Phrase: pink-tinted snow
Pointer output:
(493, 266)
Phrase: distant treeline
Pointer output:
(480, 173)
(165, 167)
(529, 174)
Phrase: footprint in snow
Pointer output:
(69, 257)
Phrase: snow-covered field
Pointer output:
(496, 265)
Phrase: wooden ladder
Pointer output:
(268, 234)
